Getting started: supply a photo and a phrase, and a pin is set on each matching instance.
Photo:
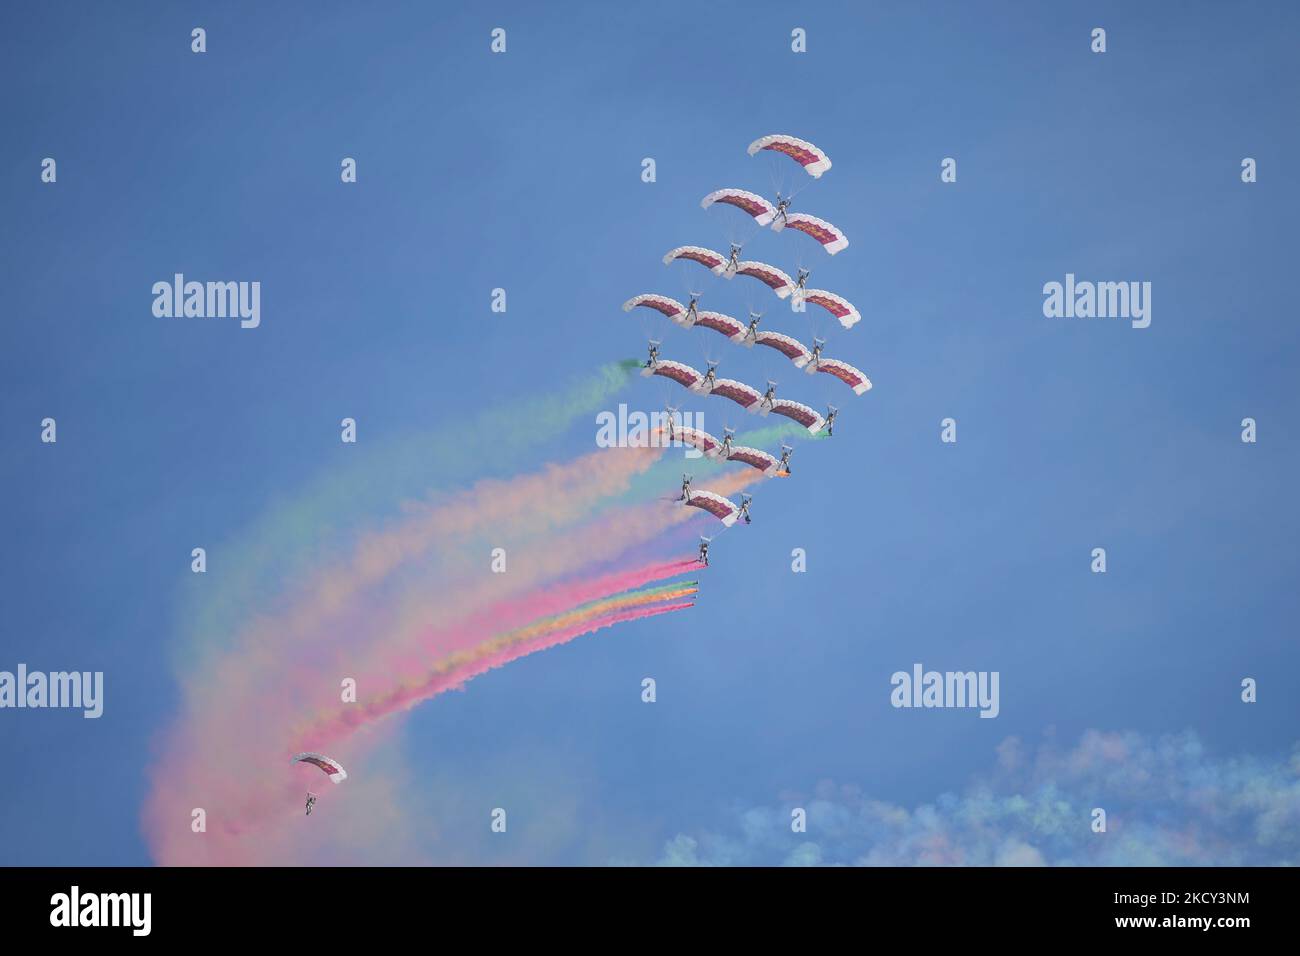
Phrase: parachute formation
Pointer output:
(779, 216)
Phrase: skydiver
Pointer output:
(704, 550)
(733, 262)
(751, 333)
(803, 278)
(815, 360)
(728, 435)
(796, 300)
(670, 415)
(692, 314)
(710, 378)
(781, 206)
(831, 412)
(744, 507)
(686, 488)
(769, 397)
(653, 360)
(311, 801)
(786, 452)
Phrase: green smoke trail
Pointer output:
(292, 533)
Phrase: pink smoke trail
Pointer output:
(453, 671)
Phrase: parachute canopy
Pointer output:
(792, 349)
(740, 393)
(679, 373)
(721, 508)
(660, 303)
(802, 414)
(332, 768)
(752, 203)
(733, 329)
(770, 276)
(756, 457)
(706, 257)
(698, 439)
(845, 372)
(812, 159)
(832, 239)
(839, 307)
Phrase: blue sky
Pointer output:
(522, 171)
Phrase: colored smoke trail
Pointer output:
(287, 540)
(408, 608)
(452, 672)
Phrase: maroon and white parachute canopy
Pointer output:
(732, 328)
(740, 393)
(721, 508)
(698, 439)
(713, 261)
(660, 303)
(839, 307)
(792, 349)
(812, 159)
(683, 375)
(332, 768)
(755, 457)
(832, 239)
(802, 414)
(751, 203)
(770, 276)
(845, 372)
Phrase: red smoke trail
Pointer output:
(480, 660)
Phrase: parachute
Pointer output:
(752, 203)
(740, 393)
(332, 768)
(812, 159)
(832, 239)
(660, 303)
(699, 439)
(733, 329)
(756, 457)
(714, 262)
(839, 307)
(845, 372)
(792, 349)
(770, 276)
(681, 374)
(721, 508)
(802, 414)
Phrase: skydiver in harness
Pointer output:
(686, 488)
(800, 284)
(814, 361)
(744, 507)
(733, 261)
(751, 333)
(704, 550)
(670, 415)
(692, 313)
(728, 436)
(710, 378)
(653, 360)
(769, 397)
(781, 206)
(831, 412)
(784, 466)
(311, 801)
